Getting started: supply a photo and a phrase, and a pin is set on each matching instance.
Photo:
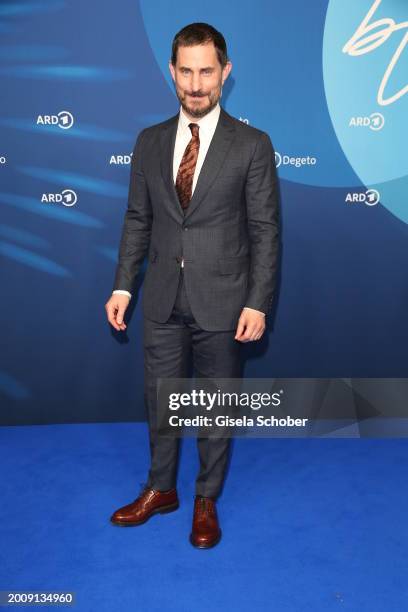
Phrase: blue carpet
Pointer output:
(308, 524)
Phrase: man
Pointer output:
(203, 205)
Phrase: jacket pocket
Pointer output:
(231, 265)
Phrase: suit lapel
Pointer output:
(217, 151)
(167, 143)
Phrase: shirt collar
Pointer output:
(209, 120)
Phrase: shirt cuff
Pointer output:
(122, 292)
(254, 309)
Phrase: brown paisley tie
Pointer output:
(185, 174)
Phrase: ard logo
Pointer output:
(375, 122)
(67, 197)
(120, 160)
(63, 120)
(371, 197)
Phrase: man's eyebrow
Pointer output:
(205, 68)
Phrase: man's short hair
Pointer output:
(199, 34)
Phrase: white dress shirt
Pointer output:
(207, 124)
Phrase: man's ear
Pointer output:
(227, 69)
(172, 72)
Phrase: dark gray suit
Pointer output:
(228, 237)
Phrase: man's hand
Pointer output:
(251, 326)
(115, 310)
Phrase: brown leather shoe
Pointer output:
(206, 531)
(148, 503)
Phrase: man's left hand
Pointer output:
(251, 326)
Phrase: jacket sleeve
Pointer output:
(261, 192)
(137, 224)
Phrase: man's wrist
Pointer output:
(122, 292)
(254, 309)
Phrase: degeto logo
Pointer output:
(290, 160)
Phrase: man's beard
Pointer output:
(199, 111)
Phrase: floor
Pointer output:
(308, 524)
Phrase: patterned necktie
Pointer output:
(185, 174)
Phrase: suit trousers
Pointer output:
(168, 350)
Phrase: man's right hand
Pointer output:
(115, 310)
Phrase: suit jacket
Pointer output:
(228, 236)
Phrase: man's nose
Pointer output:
(196, 83)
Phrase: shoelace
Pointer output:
(205, 506)
(143, 490)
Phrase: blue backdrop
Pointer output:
(79, 80)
